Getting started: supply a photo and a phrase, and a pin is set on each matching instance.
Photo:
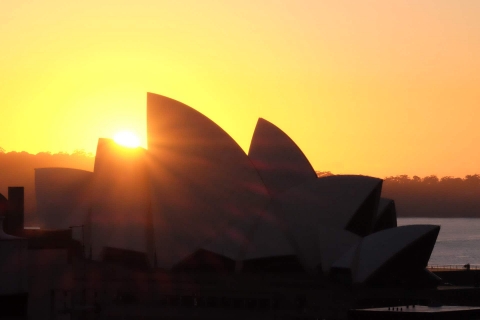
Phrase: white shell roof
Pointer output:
(62, 196)
(333, 243)
(279, 161)
(382, 206)
(261, 238)
(232, 241)
(331, 201)
(386, 212)
(268, 240)
(378, 248)
(202, 180)
(120, 200)
(323, 205)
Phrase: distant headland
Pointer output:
(429, 196)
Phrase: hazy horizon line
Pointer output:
(84, 153)
(74, 152)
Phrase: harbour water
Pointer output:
(458, 242)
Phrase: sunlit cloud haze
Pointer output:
(370, 87)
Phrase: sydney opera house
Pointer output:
(194, 200)
(194, 203)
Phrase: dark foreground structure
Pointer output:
(412, 312)
(194, 227)
(107, 291)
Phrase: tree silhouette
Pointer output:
(433, 197)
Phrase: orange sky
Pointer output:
(369, 87)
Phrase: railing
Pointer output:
(453, 267)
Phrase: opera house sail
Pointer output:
(62, 196)
(202, 179)
(194, 200)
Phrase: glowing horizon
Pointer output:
(381, 89)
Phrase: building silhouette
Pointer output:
(194, 203)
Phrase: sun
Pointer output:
(127, 139)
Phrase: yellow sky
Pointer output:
(369, 87)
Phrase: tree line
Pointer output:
(414, 196)
(431, 196)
